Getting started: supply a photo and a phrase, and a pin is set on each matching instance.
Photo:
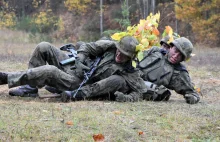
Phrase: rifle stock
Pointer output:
(88, 74)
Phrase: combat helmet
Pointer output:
(184, 46)
(127, 46)
(165, 40)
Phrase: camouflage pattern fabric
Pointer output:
(44, 69)
(110, 76)
(158, 70)
(106, 86)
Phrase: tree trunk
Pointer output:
(139, 3)
(147, 8)
(152, 6)
(127, 9)
(176, 23)
(101, 18)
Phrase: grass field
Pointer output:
(34, 119)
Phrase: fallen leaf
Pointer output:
(70, 123)
(198, 90)
(140, 133)
(117, 112)
(98, 137)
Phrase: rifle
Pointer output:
(69, 48)
(88, 74)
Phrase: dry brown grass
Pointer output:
(28, 119)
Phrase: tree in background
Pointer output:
(7, 16)
(77, 6)
(203, 16)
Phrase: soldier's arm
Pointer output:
(96, 48)
(181, 83)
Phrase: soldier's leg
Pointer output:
(44, 75)
(103, 87)
(46, 53)
(106, 86)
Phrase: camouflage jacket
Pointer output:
(106, 49)
(157, 69)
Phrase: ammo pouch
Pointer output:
(156, 93)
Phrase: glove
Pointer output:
(119, 96)
(131, 97)
(191, 99)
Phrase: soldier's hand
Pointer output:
(119, 96)
(191, 99)
(79, 65)
(80, 68)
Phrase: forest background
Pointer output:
(88, 20)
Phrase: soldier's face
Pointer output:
(165, 46)
(174, 55)
(120, 57)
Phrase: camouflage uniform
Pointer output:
(109, 75)
(157, 69)
(40, 74)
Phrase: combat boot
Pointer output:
(24, 91)
(67, 96)
(3, 78)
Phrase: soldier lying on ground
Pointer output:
(161, 70)
(114, 72)
(115, 67)
(165, 68)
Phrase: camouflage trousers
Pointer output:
(45, 69)
(106, 87)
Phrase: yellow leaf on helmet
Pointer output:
(170, 40)
(155, 31)
(170, 32)
(140, 55)
(144, 40)
(142, 22)
(134, 64)
(129, 28)
(168, 28)
(139, 47)
(152, 37)
(157, 16)
(146, 44)
(116, 36)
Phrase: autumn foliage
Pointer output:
(203, 16)
(79, 6)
